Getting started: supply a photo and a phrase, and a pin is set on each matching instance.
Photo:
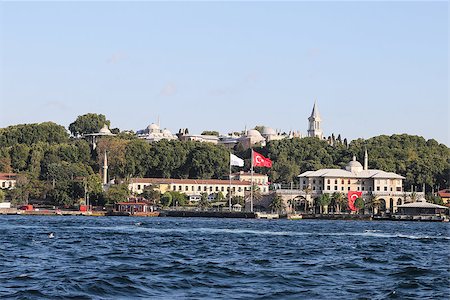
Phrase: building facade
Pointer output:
(7, 180)
(194, 187)
(386, 186)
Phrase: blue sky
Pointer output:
(374, 67)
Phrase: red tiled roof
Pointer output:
(444, 193)
(187, 181)
(8, 176)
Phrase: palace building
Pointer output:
(195, 187)
(387, 186)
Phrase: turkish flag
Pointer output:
(261, 161)
(352, 196)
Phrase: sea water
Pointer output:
(197, 258)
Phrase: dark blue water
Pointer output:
(104, 258)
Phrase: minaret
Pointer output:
(314, 129)
(366, 161)
(105, 169)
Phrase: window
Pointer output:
(335, 181)
(362, 188)
(348, 181)
(370, 188)
(304, 181)
(328, 187)
(210, 188)
(314, 181)
(378, 188)
(234, 189)
(222, 189)
(348, 189)
(239, 189)
(139, 186)
(264, 189)
(363, 182)
(391, 189)
(342, 181)
(335, 187)
(320, 188)
(186, 188)
(320, 181)
(385, 188)
(174, 187)
(217, 188)
(3, 184)
(199, 188)
(179, 188)
(399, 189)
(342, 188)
(357, 188)
(192, 188)
(328, 181)
(205, 188)
(314, 188)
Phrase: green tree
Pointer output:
(2, 196)
(324, 201)
(339, 200)
(374, 203)
(277, 204)
(203, 203)
(359, 204)
(178, 198)
(19, 157)
(151, 193)
(117, 193)
(166, 199)
(88, 123)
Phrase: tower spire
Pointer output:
(314, 129)
(366, 160)
(105, 169)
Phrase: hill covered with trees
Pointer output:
(58, 167)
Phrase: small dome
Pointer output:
(153, 126)
(105, 130)
(268, 131)
(354, 166)
(254, 133)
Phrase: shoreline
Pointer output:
(229, 215)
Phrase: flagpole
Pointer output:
(251, 189)
(229, 189)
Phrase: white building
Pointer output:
(194, 187)
(387, 186)
(153, 133)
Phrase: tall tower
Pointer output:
(314, 129)
(105, 169)
(366, 160)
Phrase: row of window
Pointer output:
(205, 188)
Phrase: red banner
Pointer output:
(261, 161)
(352, 196)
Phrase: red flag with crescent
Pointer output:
(261, 161)
(352, 196)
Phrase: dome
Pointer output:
(166, 132)
(254, 133)
(268, 131)
(105, 130)
(152, 128)
(354, 166)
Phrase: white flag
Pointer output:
(236, 161)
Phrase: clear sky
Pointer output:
(374, 67)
